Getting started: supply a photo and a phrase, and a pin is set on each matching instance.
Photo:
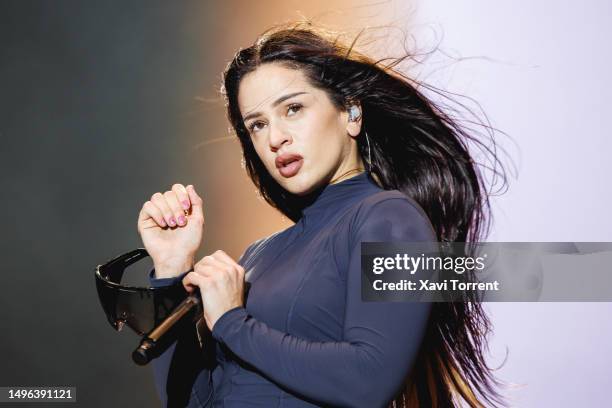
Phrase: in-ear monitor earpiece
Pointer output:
(354, 113)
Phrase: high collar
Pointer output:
(336, 196)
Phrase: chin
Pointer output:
(295, 188)
(298, 185)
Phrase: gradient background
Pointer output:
(102, 105)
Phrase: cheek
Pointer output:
(265, 155)
(330, 137)
(258, 149)
(323, 130)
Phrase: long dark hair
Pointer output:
(416, 148)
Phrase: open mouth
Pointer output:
(291, 167)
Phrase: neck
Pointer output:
(345, 175)
(331, 198)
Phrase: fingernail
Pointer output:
(164, 223)
(181, 220)
(172, 222)
(185, 204)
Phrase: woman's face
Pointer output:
(301, 137)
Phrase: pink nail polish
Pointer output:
(181, 220)
(172, 222)
(185, 204)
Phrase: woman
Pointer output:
(351, 152)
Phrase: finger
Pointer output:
(209, 265)
(175, 207)
(193, 280)
(197, 209)
(182, 196)
(150, 210)
(225, 258)
(206, 270)
(161, 203)
(221, 261)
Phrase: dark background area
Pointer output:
(94, 107)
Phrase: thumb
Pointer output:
(196, 201)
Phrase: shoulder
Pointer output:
(387, 203)
(390, 214)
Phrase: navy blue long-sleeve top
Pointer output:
(305, 338)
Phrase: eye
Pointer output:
(253, 127)
(293, 107)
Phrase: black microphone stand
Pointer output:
(147, 349)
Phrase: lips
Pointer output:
(289, 164)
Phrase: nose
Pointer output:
(278, 136)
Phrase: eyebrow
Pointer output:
(274, 104)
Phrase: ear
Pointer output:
(353, 127)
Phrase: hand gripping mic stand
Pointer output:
(146, 350)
